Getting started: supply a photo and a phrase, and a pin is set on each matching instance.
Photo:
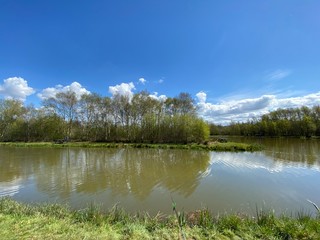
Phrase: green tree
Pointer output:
(11, 120)
(64, 104)
(308, 127)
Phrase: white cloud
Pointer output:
(279, 74)
(202, 96)
(16, 87)
(123, 89)
(160, 98)
(142, 80)
(245, 109)
(73, 87)
(161, 80)
(307, 100)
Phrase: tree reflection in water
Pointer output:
(304, 151)
(123, 171)
(176, 170)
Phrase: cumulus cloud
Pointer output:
(307, 100)
(73, 87)
(123, 89)
(278, 74)
(142, 80)
(242, 110)
(202, 97)
(161, 98)
(16, 87)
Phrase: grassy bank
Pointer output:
(22, 221)
(211, 146)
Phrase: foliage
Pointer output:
(140, 119)
(298, 122)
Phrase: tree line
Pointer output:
(140, 118)
(297, 122)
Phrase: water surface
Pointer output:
(282, 177)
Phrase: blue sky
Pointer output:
(238, 59)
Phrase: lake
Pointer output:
(282, 177)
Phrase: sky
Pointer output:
(238, 59)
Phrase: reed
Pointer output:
(315, 205)
(180, 216)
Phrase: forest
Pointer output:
(140, 118)
(292, 122)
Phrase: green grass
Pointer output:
(23, 221)
(212, 146)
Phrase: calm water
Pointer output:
(282, 177)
